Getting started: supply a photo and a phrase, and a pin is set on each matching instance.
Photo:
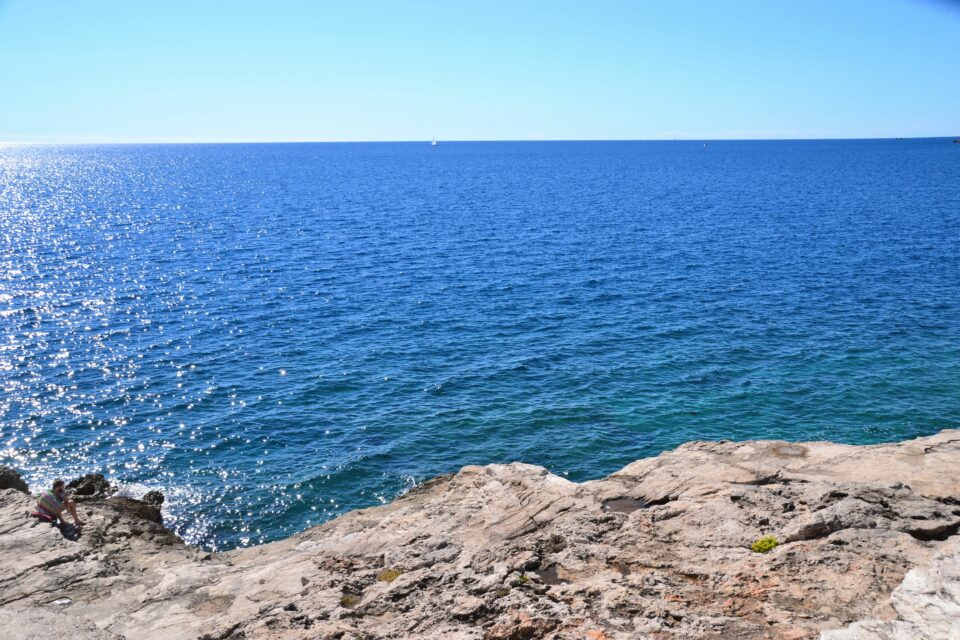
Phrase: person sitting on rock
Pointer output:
(51, 504)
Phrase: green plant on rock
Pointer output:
(348, 601)
(764, 544)
(388, 575)
(502, 593)
(524, 578)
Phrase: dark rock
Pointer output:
(91, 485)
(555, 544)
(10, 479)
(154, 498)
(137, 509)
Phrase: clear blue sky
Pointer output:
(138, 70)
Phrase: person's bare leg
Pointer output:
(72, 507)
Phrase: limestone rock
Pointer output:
(927, 604)
(659, 550)
(38, 623)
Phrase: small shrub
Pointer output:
(503, 593)
(524, 578)
(388, 575)
(348, 601)
(764, 544)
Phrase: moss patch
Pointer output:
(388, 575)
(348, 602)
(764, 544)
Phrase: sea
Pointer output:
(274, 334)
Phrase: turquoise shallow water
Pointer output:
(274, 334)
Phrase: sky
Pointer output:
(195, 71)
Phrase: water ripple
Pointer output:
(274, 334)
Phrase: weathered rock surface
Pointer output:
(927, 604)
(658, 550)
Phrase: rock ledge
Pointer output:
(658, 550)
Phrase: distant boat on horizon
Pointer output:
(433, 143)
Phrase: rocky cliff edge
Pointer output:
(867, 550)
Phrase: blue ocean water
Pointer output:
(274, 334)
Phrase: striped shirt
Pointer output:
(49, 504)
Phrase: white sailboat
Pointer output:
(434, 143)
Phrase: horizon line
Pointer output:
(148, 141)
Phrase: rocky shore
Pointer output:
(866, 548)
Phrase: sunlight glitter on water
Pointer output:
(274, 334)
